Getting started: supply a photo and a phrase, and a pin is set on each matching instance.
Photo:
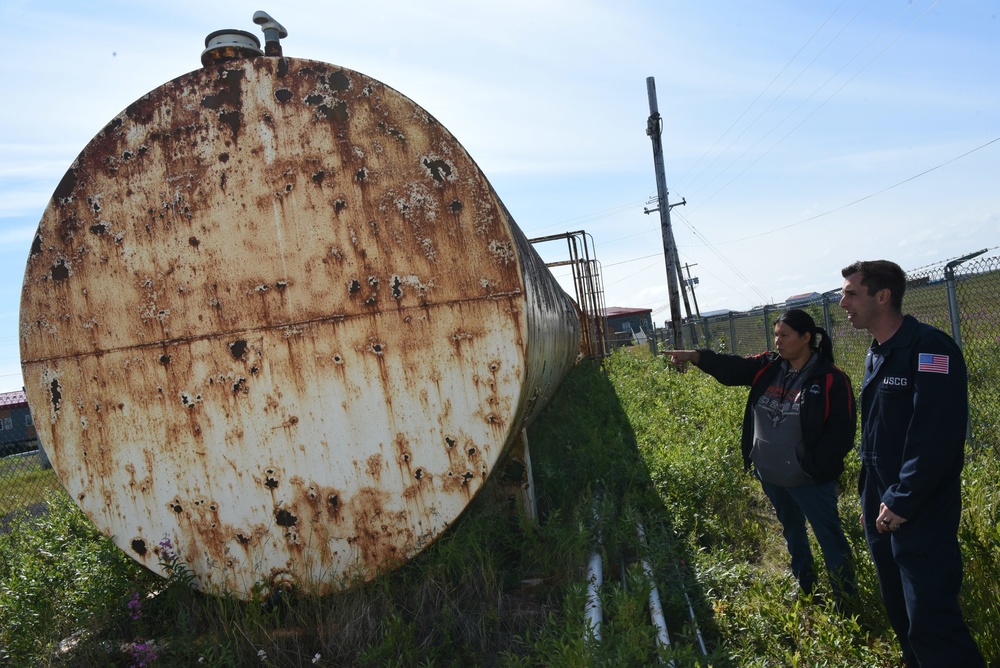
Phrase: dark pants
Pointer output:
(818, 504)
(919, 569)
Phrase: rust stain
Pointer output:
(380, 536)
(375, 466)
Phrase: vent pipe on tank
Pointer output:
(273, 33)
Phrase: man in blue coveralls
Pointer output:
(914, 411)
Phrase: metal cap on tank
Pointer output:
(229, 44)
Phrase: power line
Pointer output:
(715, 250)
(635, 259)
(866, 197)
(761, 94)
(712, 247)
(722, 257)
(706, 243)
(816, 109)
(646, 268)
(590, 217)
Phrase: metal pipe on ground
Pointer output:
(594, 614)
(655, 607)
(694, 621)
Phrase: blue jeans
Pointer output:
(818, 504)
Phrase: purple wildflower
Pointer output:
(142, 654)
(167, 550)
(135, 606)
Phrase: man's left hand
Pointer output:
(888, 520)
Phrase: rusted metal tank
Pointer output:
(275, 314)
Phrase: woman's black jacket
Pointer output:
(828, 417)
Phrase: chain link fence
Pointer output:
(961, 297)
(25, 479)
(25, 473)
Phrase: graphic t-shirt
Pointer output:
(777, 435)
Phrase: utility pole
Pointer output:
(691, 282)
(654, 128)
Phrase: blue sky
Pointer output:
(803, 136)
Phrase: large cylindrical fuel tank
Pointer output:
(276, 315)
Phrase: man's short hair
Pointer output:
(879, 275)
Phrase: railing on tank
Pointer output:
(588, 287)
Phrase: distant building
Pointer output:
(17, 431)
(805, 298)
(629, 326)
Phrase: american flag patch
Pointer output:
(932, 363)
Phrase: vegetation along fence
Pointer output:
(961, 297)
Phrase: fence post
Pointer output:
(767, 329)
(955, 316)
(732, 334)
(949, 280)
(956, 326)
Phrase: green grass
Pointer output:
(687, 431)
(630, 442)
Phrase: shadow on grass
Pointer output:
(588, 467)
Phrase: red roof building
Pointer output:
(16, 398)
